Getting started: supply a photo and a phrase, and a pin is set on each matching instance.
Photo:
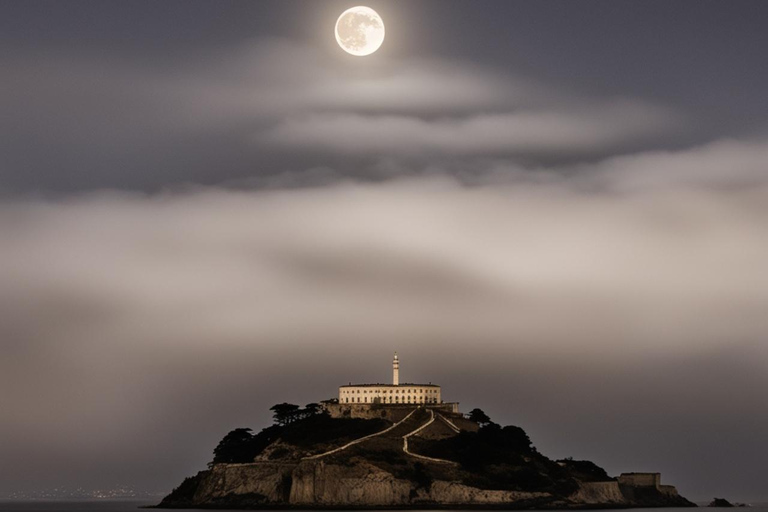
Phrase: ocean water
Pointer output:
(74, 506)
(134, 506)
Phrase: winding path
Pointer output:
(432, 419)
(413, 433)
(450, 424)
(359, 440)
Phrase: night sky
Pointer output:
(557, 210)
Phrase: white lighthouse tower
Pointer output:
(395, 371)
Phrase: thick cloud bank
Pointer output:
(268, 106)
(626, 301)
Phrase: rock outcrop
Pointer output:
(416, 461)
(316, 484)
(599, 493)
(720, 503)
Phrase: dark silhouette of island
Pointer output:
(334, 455)
(722, 502)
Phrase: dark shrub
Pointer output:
(241, 446)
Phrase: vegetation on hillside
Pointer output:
(301, 427)
(241, 445)
(321, 429)
(585, 470)
(494, 457)
(285, 413)
(491, 444)
(479, 417)
(497, 457)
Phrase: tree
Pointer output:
(242, 446)
(312, 409)
(285, 413)
(515, 439)
(234, 447)
(479, 417)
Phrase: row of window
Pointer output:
(377, 392)
(391, 400)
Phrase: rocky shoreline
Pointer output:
(317, 485)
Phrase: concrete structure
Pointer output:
(635, 485)
(391, 412)
(395, 393)
(640, 479)
(645, 480)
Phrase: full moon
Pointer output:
(360, 31)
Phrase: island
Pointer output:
(401, 446)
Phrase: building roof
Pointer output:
(430, 385)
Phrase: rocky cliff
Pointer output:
(416, 462)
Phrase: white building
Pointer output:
(394, 393)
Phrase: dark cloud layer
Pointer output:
(555, 209)
(146, 96)
(104, 122)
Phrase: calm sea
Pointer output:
(133, 506)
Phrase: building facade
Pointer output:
(394, 393)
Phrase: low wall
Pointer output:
(640, 479)
(390, 412)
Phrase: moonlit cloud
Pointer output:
(601, 128)
(121, 118)
(723, 163)
(127, 307)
